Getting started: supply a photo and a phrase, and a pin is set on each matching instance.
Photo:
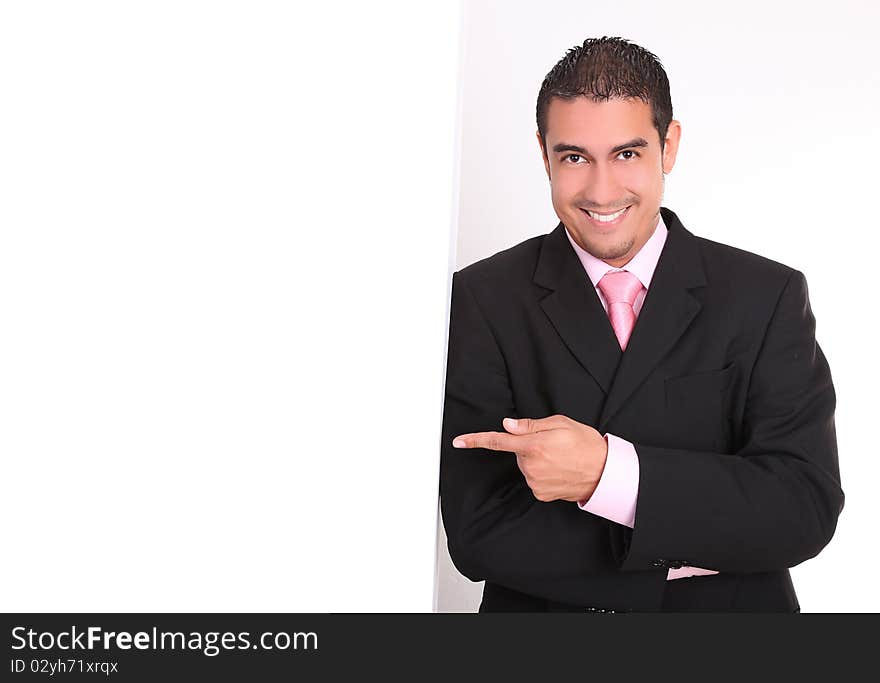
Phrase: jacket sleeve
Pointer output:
(776, 501)
(496, 529)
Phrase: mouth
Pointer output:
(606, 220)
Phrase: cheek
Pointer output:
(645, 182)
(564, 189)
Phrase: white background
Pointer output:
(225, 259)
(224, 274)
(779, 155)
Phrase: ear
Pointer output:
(543, 154)
(670, 147)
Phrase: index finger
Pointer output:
(494, 441)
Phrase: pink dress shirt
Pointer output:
(618, 489)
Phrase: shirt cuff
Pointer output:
(618, 489)
(684, 572)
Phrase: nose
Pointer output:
(604, 189)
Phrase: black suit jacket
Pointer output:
(723, 391)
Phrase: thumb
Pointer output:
(523, 425)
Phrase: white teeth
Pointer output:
(605, 219)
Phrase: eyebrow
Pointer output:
(565, 147)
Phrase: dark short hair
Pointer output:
(605, 68)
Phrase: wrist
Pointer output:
(603, 457)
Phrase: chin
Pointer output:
(608, 252)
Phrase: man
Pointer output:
(642, 419)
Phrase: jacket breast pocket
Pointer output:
(697, 409)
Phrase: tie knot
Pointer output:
(620, 287)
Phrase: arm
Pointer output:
(617, 492)
(496, 529)
(773, 504)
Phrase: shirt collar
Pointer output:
(642, 265)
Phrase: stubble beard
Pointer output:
(611, 252)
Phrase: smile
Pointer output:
(607, 219)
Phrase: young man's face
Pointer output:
(603, 157)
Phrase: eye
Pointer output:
(569, 157)
(631, 152)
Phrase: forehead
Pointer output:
(605, 124)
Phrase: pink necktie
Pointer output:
(620, 290)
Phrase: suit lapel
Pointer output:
(668, 310)
(576, 313)
(574, 309)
